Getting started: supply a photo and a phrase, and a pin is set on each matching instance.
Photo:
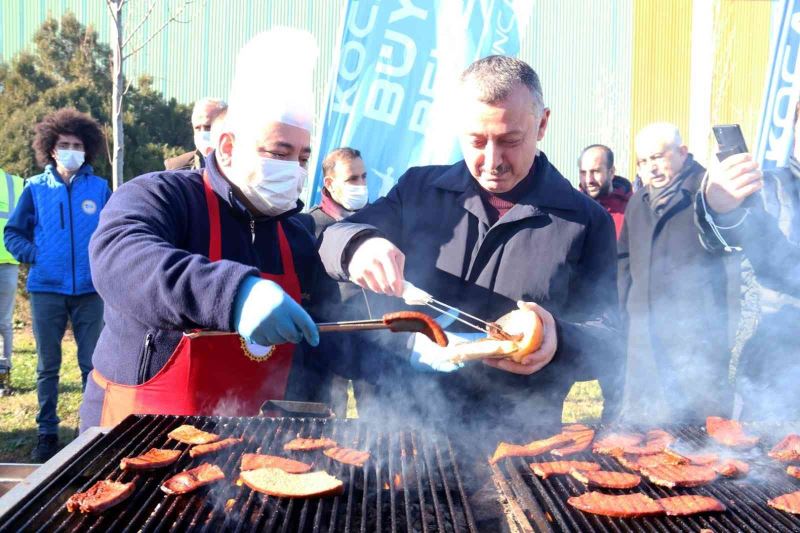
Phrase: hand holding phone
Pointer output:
(730, 140)
(732, 183)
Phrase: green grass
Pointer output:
(584, 403)
(18, 411)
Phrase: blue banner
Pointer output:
(398, 62)
(775, 132)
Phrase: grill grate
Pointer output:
(411, 483)
(542, 504)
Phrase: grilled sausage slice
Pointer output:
(192, 479)
(307, 445)
(347, 456)
(211, 447)
(252, 461)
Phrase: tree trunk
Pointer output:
(118, 88)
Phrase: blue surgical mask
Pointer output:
(70, 159)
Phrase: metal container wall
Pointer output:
(608, 67)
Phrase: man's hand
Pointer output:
(731, 181)
(541, 357)
(377, 265)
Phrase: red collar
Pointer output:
(332, 208)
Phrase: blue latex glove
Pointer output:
(427, 356)
(264, 314)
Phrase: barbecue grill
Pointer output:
(415, 481)
(534, 504)
(412, 482)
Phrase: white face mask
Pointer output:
(70, 159)
(202, 140)
(275, 187)
(353, 197)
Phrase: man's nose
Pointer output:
(491, 157)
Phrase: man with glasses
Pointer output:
(674, 294)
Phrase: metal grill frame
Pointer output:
(431, 497)
(535, 504)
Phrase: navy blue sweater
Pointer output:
(150, 265)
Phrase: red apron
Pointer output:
(211, 373)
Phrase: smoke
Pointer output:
(229, 405)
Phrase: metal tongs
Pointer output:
(401, 321)
(413, 295)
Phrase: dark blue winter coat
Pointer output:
(150, 262)
(51, 226)
(556, 247)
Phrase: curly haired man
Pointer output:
(50, 229)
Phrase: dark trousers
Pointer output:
(50, 314)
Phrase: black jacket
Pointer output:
(334, 301)
(555, 247)
(678, 312)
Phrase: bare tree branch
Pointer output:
(173, 18)
(128, 87)
(141, 23)
(115, 7)
(108, 147)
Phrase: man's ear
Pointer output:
(684, 150)
(613, 171)
(225, 149)
(543, 121)
(327, 182)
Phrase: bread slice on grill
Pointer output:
(191, 435)
(276, 482)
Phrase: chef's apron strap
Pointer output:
(214, 227)
(287, 260)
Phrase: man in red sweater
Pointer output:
(596, 166)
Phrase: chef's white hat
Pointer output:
(273, 81)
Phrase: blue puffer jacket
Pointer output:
(51, 227)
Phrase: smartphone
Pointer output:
(730, 140)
